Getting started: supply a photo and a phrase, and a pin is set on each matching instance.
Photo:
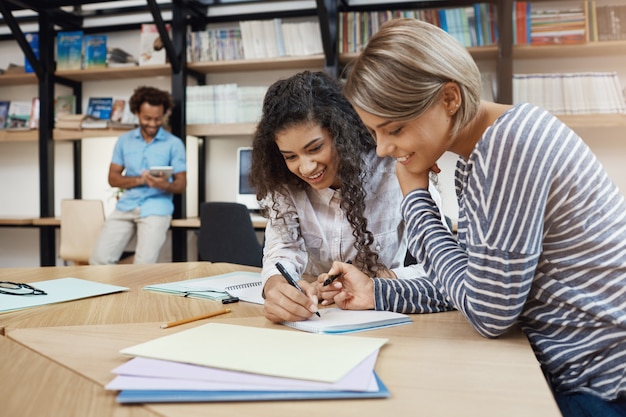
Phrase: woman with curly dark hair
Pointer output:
(327, 196)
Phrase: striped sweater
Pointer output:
(541, 244)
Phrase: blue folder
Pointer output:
(165, 396)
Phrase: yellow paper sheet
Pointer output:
(275, 352)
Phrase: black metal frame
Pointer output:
(192, 13)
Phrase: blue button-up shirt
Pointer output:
(135, 155)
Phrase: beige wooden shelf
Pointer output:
(594, 120)
(18, 135)
(478, 53)
(68, 134)
(220, 130)
(304, 62)
(106, 74)
(7, 80)
(586, 50)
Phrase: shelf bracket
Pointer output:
(175, 61)
(327, 12)
(21, 39)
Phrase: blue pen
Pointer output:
(290, 280)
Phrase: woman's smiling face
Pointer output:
(309, 153)
(416, 143)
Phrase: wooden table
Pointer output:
(62, 355)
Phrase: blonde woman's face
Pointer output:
(417, 143)
(309, 153)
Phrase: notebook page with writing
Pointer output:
(247, 286)
(335, 320)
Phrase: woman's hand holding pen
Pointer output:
(283, 302)
(351, 290)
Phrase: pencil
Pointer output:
(189, 320)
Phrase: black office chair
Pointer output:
(226, 235)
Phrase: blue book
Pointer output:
(4, 113)
(100, 107)
(33, 40)
(165, 396)
(69, 50)
(95, 51)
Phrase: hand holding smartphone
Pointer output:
(161, 171)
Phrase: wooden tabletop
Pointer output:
(438, 364)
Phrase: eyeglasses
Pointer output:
(16, 288)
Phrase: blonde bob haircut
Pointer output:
(403, 69)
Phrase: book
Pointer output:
(100, 107)
(14, 69)
(33, 40)
(117, 110)
(117, 57)
(19, 115)
(247, 286)
(152, 49)
(69, 121)
(336, 320)
(33, 120)
(91, 122)
(4, 113)
(57, 290)
(95, 51)
(183, 396)
(69, 50)
(64, 105)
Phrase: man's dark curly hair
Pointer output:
(314, 97)
(152, 96)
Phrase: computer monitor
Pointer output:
(245, 193)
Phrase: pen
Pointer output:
(331, 278)
(189, 320)
(290, 280)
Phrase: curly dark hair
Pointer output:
(316, 97)
(152, 96)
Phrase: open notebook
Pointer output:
(245, 285)
(335, 320)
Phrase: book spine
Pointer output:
(33, 41)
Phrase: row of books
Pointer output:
(571, 93)
(255, 39)
(224, 103)
(471, 26)
(102, 112)
(19, 114)
(75, 50)
(544, 23)
(534, 23)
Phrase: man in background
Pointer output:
(145, 207)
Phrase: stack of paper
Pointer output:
(217, 362)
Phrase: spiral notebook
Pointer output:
(336, 321)
(247, 286)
